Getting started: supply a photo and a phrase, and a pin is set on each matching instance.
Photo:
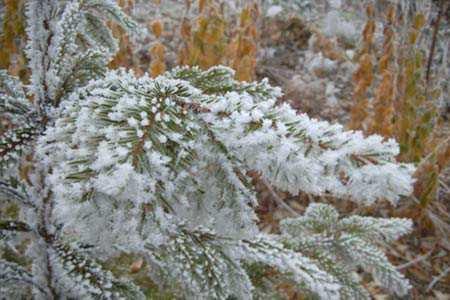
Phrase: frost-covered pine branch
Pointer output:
(103, 164)
(182, 144)
(69, 44)
(340, 246)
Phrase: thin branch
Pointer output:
(9, 225)
(278, 199)
(436, 279)
(433, 41)
(414, 261)
(9, 191)
(445, 186)
(430, 155)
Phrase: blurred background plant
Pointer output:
(12, 38)
(397, 94)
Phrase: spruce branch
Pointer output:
(12, 273)
(14, 141)
(354, 240)
(18, 226)
(87, 278)
(10, 191)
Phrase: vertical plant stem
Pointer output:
(433, 42)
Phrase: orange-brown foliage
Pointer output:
(212, 39)
(124, 57)
(399, 86)
(383, 106)
(157, 28)
(242, 49)
(363, 76)
(12, 35)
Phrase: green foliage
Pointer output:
(342, 245)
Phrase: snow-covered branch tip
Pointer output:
(330, 240)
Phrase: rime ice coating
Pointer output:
(183, 143)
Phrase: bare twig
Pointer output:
(277, 198)
(415, 260)
(430, 155)
(436, 279)
(445, 186)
